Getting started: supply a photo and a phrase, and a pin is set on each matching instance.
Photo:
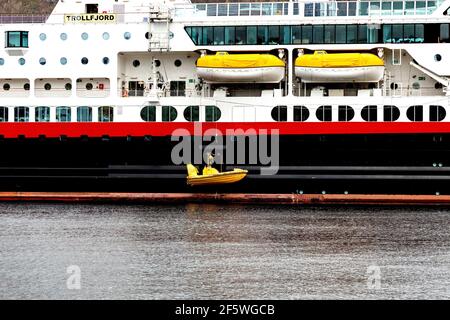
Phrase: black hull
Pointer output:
(398, 164)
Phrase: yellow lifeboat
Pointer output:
(339, 67)
(211, 176)
(240, 68)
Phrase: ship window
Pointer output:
(47, 86)
(4, 114)
(105, 60)
(296, 34)
(219, 35)
(84, 114)
(63, 114)
(229, 35)
(147, 34)
(279, 113)
(17, 39)
(63, 61)
(274, 34)
(438, 85)
(387, 33)
(241, 35)
(345, 113)
(148, 113)
(244, 9)
(212, 114)
(251, 35)
(323, 113)
(415, 113)
(43, 36)
(26, 87)
(301, 113)
(177, 63)
(2, 61)
(6, 87)
(437, 113)
(89, 86)
(341, 33)
(84, 60)
(318, 33)
(63, 36)
(21, 114)
(22, 61)
(68, 86)
(127, 35)
(262, 35)
(233, 9)
(196, 35)
(329, 33)
(391, 113)
(136, 63)
(84, 36)
(369, 113)
(42, 61)
(157, 63)
(42, 114)
(307, 34)
(408, 33)
(437, 57)
(352, 33)
(444, 35)
(192, 113)
(397, 33)
(105, 114)
(420, 33)
(362, 33)
(285, 34)
(169, 113)
(92, 8)
(255, 9)
(208, 36)
(106, 36)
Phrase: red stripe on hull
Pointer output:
(118, 129)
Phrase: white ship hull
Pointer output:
(241, 75)
(334, 75)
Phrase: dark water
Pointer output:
(208, 251)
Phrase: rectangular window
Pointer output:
(296, 34)
(352, 30)
(419, 33)
(211, 10)
(63, 114)
(84, 114)
(285, 35)
(444, 32)
(352, 9)
(208, 36)
(105, 114)
(372, 33)
(42, 114)
(229, 35)
(307, 34)
(256, 9)
(266, 9)
(219, 36)
(274, 35)
(263, 35)
(222, 10)
(408, 33)
(251, 35)
(341, 33)
(241, 35)
(196, 34)
(362, 33)
(244, 9)
(16, 39)
(342, 9)
(21, 114)
(397, 33)
(329, 33)
(318, 34)
(4, 114)
(233, 9)
(387, 33)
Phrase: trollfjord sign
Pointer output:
(90, 18)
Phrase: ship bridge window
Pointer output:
(105, 114)
(279, 113)
(212, 114)
(3, 114)
(415, 113)
(323, 113)
(369, 113)
(301, 113)
(208, 36)
(390, 113)
(42, 114)
(63, 114)
(148, 113)
(84, 114)
(192, 113)
(437, 113)
(17, 39)
(169, 113)
(345, 113)
(21, 114)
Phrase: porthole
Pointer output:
(84, 36)
(171, 35)
(89, 86)
(148, 113)
(147, 35)
(26, 87)
(63, 61)
(323, 113)
(105, 60)
(394, 86)
(47, 86)
(391, 113)
(42, 61)
(105, 36)
(127, 35)
(437, 113)
(63, 36)
(345, 113)
(212, 114)
(177, 63)
(437, 57)
(43, 36)
(438, 85)
(84, 60)
(279, 113)
(169, 113)
(6, 87)
(192, 113)
(415, 113)
(68, 86)
(22, 61)
(301, 113)
(157, 63)
(2, 61)
(369, 113)
(136, 63)
(416, 86)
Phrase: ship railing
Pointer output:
(127, 93)
(233, 9)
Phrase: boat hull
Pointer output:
(241, 75)
(339, 75)
(217, 179)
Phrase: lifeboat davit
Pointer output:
(339, 67)
(240, 68)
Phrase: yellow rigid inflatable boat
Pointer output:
(211, 176)
(339, 67)
(240, 68)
